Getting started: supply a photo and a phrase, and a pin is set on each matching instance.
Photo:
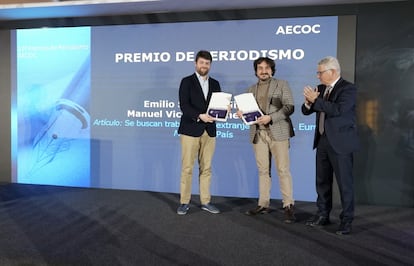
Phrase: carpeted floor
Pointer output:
(47, 225)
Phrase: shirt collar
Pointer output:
(333, 83)
(267, 81)
(200, 77)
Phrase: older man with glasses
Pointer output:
(334, 102)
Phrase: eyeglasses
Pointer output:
(321, 72)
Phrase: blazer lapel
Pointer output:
(198, 85)
(210, 91)
(338, 86)
(272, 88)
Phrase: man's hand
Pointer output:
(206, 118)
(311, 94)
(239, 114)
(264, 120)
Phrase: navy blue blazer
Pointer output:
(193, 103)
(340, 116)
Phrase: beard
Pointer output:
(264, 76)
(202, 71)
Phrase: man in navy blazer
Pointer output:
(336, 138)
(197, 132)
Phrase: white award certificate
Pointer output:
(219, 106)
(247, 104)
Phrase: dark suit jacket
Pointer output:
(192, 104)
(340, 116)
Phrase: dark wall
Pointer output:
(385, 77)
(5, 104)
(384, 167)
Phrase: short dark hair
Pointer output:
(269, 61)
(204, 54)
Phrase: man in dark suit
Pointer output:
(334, 102)
(197, 132)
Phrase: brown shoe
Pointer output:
(289, 214)
(258, 210)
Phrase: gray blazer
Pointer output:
(280, 107)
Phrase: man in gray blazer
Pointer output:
(270, 135)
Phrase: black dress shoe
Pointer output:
(318, 221)
(258, 210)
(345, 228)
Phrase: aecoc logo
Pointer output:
(298, 29)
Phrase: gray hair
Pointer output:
(331, 63)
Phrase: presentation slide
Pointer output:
(98, 106)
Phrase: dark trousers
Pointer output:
(329, 162)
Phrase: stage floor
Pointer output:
(48, 225)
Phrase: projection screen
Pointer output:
(98, 106)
